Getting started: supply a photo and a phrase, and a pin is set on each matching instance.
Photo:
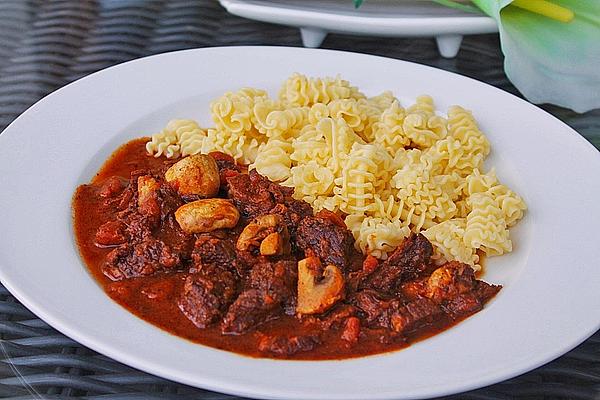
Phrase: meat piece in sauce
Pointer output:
(255, 195)
(351, 332)
(374, 309)
(338, 315)
(323, 238)
(170, 201)
(485, 291)
(111, 233)
(450, 280)
(111, 187)
(292, 212)
(146, 203)
(227, 167)
(413, 315)
(270, 292)
(285, 346)
(146, 206)
(212, 250)
(407, 262)
(356, 278)
(137, 227)
(394, 314)
(207, 295)
(455, 287)
(141, 259)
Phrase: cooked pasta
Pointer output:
(486, 227)
(273, 160)
(447, 239)
(388, 129)
(390, 169)
(300, 90)
(376, 236)
(365, 172)
(178, 138)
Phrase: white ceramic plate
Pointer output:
(408, 18)
(550, 298)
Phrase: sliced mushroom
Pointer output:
(272, 245)
(195, 175)
(267, 232)
(207, 215)
(317, 291)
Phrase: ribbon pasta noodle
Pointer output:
(389, 169)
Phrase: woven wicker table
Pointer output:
(47, 44)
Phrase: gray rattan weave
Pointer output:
(47, 44)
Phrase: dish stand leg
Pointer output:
(312, 37)
(448, 45)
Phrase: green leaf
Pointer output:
(358, 3)
(547, 60)
(459, 6)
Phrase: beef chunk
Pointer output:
(111, 187)
(270, 292)
(246, 260)
(141, 259)
(211, 250)
(292, 212)
(393, 314)
(146, 214)
(351, 332)
(407, 262)
(169, 200)
(485, 291)
(414, 289)
(251, 308)
(224, 161)
(173, 236)
(285, 346)
(227, 166)
(111, 233)
(454, 287)
(279, 278)
(356, 278)
(450, 280)
(255, 195)
(207, 295)
(447, 282)
(150, 197)
(375, 310)
(137, 227)
(125, 201)
(468, 302)
(338, 316)
(462, 305)
(323, 238)
(413, 315)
